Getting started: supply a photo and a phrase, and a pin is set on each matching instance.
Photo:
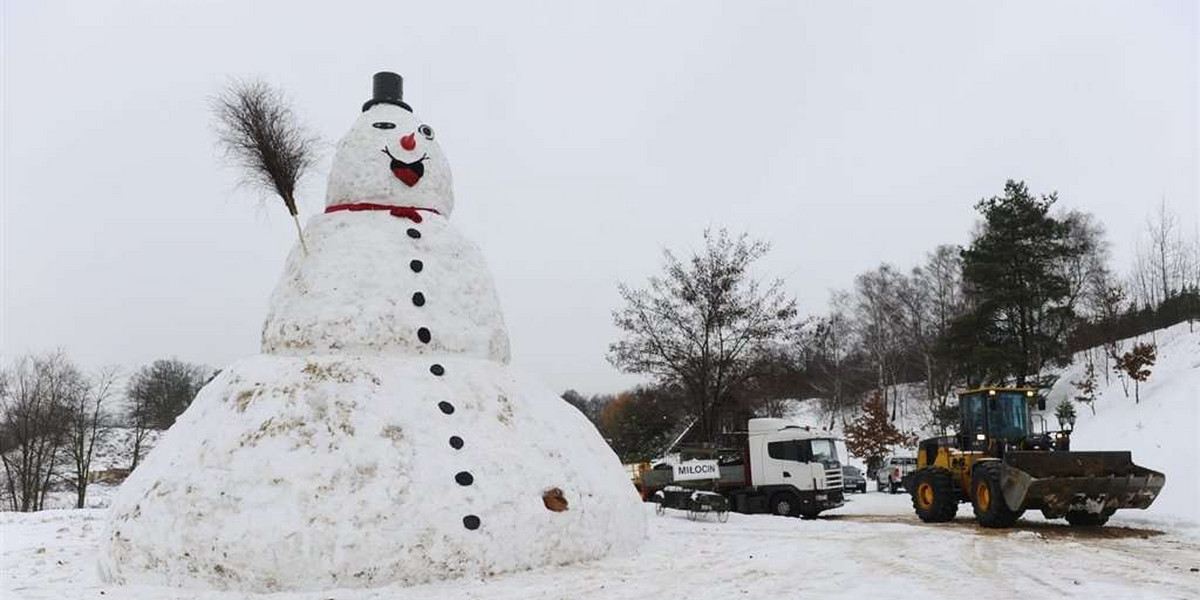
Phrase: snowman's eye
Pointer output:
(383, 125)
(426, 131)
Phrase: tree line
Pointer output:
(1034, 286)
(54, 417)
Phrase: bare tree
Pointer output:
(137, 419)
(157, 394)
(877, 316)
(1107, 304)
(941, 279)
(165, 388)
(829, 344)
(34, 401)
(87, 424)
(259, 132)
(1085, 264)
(1165, 249)
(704, 324)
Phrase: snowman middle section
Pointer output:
(378, 284)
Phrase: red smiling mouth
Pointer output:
(409, 173)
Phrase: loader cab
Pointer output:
(992, 418)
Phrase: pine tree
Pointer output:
(1064, 412)
(871, 434)
(1020, 299)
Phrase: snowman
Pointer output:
(380, 438)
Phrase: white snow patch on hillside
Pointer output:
(1161, 431)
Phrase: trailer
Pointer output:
(697, 503)
(774, 467)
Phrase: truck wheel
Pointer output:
(784, 505)
(1080, 518)
(878, 485)
(988, 499)
(933, 495)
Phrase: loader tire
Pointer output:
(1079, 518)
(933, 495)
(987, 498)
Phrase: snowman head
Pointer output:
(390, 156)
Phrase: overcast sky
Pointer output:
(583, 138)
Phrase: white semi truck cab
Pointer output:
(776, 467)
(794, 470)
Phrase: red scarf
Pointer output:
(404, 212)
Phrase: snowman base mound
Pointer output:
(291, 474)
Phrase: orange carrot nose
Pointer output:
(408, 142)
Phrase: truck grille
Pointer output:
(833, 478)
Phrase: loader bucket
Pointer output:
(1096, 482)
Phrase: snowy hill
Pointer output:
(1162, 430)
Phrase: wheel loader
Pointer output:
(1003, 468)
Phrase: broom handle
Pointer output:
(300, 233)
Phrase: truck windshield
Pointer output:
(824, 452)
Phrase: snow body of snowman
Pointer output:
(380, 437)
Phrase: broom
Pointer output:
(259, 132)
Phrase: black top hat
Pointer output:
(388, 88)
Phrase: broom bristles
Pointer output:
(260, 133)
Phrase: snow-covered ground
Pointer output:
(872, 546)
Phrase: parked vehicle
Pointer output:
(853, 480)
(774, 467)
(890, 476)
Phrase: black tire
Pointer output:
(878, 485)
(987, 498)
(785, 505)
(1079, 518)
(933, 495)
